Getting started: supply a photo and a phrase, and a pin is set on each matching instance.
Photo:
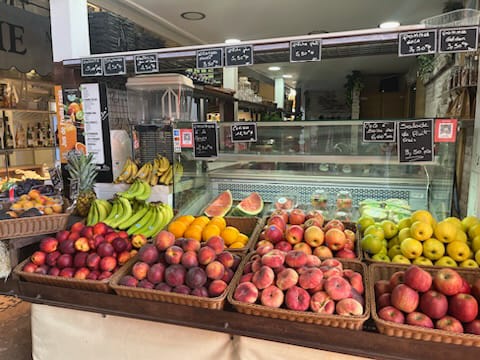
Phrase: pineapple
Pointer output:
(82, 168)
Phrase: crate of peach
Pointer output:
(426, 303)
(33, 214)
(309, 232)
(179, 271)
(238, 233)
(299, 287)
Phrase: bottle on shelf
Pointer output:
(9, 142)
(50, 136)
(39, 142)
(20, 141)
(30, 140)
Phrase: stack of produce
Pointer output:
(130, 212)
(183, 266)
(252, 205)
(421, 240)
(156, 172)
(84, 252)
(390, 209)
(444, 301)
(34, 204)
(301, 282)
(202, 228)
(306, 232)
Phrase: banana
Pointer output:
(126, 212)
(140, 223)
(166, 177)
(164, 164)
(133, 191)
(154, 228)
(150, 224)
(167, 214)
(178, 171)
(102, 210)
(105, 205)
(137, 215)
(146, 191)
(91, 215)
(170, 213)
(113, 213)
(153, 176)
(133, 173)
(126, 172)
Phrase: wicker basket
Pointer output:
(92, 285)
(339, 321)
(383, 272)
(215, 303)
(31, 226)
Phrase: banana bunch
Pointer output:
(129, 172)
(139, 190)
(99, 211)
(121, 211)
(149, 220)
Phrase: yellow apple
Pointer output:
(421, 230)
(376, 230)
(468, 222)
(433, 249)
(393, 241)
(470, 263)
(474, 231)
(411, 248)
(476, 243)
(421, 260)
(477, 257)
(446, 231)
(446, 261)
(403, 234)
(458, 251)
(404, 223)
(456, 221)
(423, 216)
(394, 250)
(390, 229)
(400, 259)
(461, 236)
(364, 222)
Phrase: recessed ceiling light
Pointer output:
(232, 41)
(274, 68)
(287, 76)
(193, 15)
(389, 25)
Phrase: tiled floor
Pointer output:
(15, 333)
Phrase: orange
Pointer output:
(229, 235)
(219, 221)
(194, 232)
(34, 194)
(209, 231)
(177, 228)
(28, 205)
(48, 211)
(242, 238)
(186, 219)
(201, 220)
(57, 208)
(237, 245)
(81, 147)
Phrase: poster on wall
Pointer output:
(445, 130)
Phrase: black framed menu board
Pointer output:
(210, 58)
(415, 43)
(305, 50)
(455, 40)
(146, 63)
(415, 140)
(205, 140)
(244, 132)
(239, 55)
(379, 131)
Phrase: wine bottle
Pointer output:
(39, 135)
(30, 142)
(9, 138)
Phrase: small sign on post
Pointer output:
(91, 67)
(415, 43)
(114, 66)
(205, 140)
(305, 50)
(145, 64)
(455, 40)
(210, 58)
(239, 55)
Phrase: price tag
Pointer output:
(205, 140)
(114, 66)
(56, 178)
(379, 131)
(74, 189)
(92, 67)
(305, 50)
(146, 64)
(210, 58)
(244, 132)
(239, 55)
(417, 43)
(415, 141)
(458, 40)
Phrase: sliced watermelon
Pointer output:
(250, 206)
(220, 206)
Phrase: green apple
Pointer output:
(364, 222)
(393, 241)
(390, 229)
(446, 261)
(385, 243)
(476, 244)
(383, 250)
(421, 260)
(477, 256)
(371, 244)
(433, 249)
(404, 234)
(400, 259)
(381, 257)
(468, 222)
(411, 248)
(404, 223)
(469, 263)
(394, 250)
(458, 251)
(376, 230)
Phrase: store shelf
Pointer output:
(28, 111)
(10, 151)
(248, 105)
(3, 170)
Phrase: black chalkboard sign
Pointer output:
(415, 141)
(92, 67)
(146, 63)
(244, 132)
(417, 43)
(305, 50)
(458, 39)
(114, 66)
(239, 55)
(379, 131)
(210, 58)
(74, 189)
(56, 177)
(205, 140)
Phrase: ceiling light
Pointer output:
(193, 15)
(389, 25)
(232, 41)
(274, 68)
(287, 76)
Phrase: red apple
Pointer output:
(473, 327)
(30, 267)
(350, 235)
(273, 234)
(335, 239)
(384, 300)
(404, 298)
(449, 323)
(314, 236)
(345, 254)
(296, 217)
(283, 246)
(381, 287)
(418, 279)
(389, 313)
(397, 278)
(476, 289)
(419, 319)
(448, 281)
(38, 258)
(334, 224)
(463, 307)
(294, 234)
(434, 304)
(323, 252)
(283, 213)
(278, 221)
(48, 245)
(466, 288)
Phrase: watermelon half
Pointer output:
(220, 206)
(250, 206)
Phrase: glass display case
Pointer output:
(305, 158)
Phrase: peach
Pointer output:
(148, 253)
(81, 244)
(67, 247)
(263, 249)
(30, 267)
(384, 300)
(81, 273)
(337, 288)
(294, 234)
(310, 278)
(287, 278)
(357, 296)
(273, 259)
(217, 288)
(105, 249)
(304, 247)
(93, 261)
(313, 261)
(51, 258)
(164, 239)
(264, 277)
(321, 303)
(296, 259)
(156, 273)
(80, 260)
(216, 243)
(189, 259)
(335, 239)
(206, 255)
(215, 270)
(200, 291)
(67, 272)
(87, 232)
(48, 245)
(181, 289)
(163, 287)
(297, 299)
(173, 255)
(138, 240)
(77, 227)
(100, 229)
(323, 252)
(356, 280)
(345, 254)
(283, 246)
(272, 296)
(175, 275)
(62, 235)
(55, 271)
(246, 292)
(191, 245)
(256, 265)
(246, 278)
(296, 217)
(196, 277)
(314, 235)
(65, 261)
(334, 224)
(349, 307)
(123, 257)
(226, 259)
(140, 270)
(332, 263)
(227, 275)
(278, 221)
(328, 271)
(273, 234)
(248, 267)
(38, 258)
(350, 235)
